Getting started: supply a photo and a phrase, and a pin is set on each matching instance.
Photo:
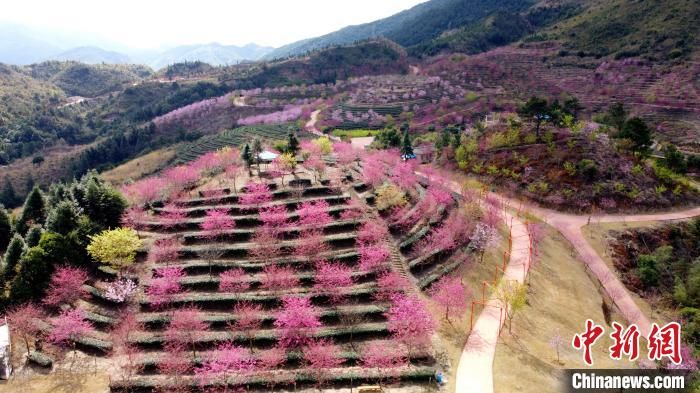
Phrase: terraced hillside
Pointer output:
(352, 316)
(233, 137)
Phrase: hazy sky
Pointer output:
(155, 23)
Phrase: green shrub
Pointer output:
(588, 169)
(40, 359)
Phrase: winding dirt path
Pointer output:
(311, 126)
(475, 369)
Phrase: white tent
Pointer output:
(5, 351)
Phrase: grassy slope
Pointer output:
(139, 167)
(658, 29)
(561, 296)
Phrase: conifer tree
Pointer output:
(33, 212)
(12, 256)
(406, 146)
(33, 235)
(5, 228)
(292, 143)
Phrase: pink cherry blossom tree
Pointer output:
(321, 357)
(66, 286)
(311, 245)
(216, 223)
(232, 172)
(345, 153)
(186, 325)
(483, 238)
(164, 251)
(403, 175)
(165, 286)
(127, 353)
(135, 217)
(452, 297)
(175, 364)
(296, 322)
(389, 284)
(146, 191)
(233, 280)
(68, 327)
(317, 166)
(373, 257)
(266, 244)
(278, 278)
(228, 365)
(248, 320)
(332, 280)
(172, 216)
(120, 290)
(24, 321)
(255, 195)
(372, 231)
(270, 360)
(410, 322)
(314, 214)
(383, 356)
(275, 218)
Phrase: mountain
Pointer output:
(214, 54)
(91, 55)
(657, 30)
(414, 26)
(19, 46)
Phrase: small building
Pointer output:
(5, 351)
(267, 156)
(424, 153)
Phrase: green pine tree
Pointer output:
(12, 256)
(33, 235)
(32, 277)
(292, 142)
(5, 228)
(33, 211)
(406, 146)
(8, 196)
(247, 158)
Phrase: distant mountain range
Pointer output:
(20, 45)
(417, 25)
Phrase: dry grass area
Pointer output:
(561, 297)
(140, 167)
(453, 336)
(57, 164)
(58, 383)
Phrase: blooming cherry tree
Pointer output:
(165, 286)
(66, 286)
(186, 325)
(332, 279)
(233, 280)
(216, 223)
(296, 322)
(410, 322)
(164, 251)
(24, 322)
(452, 297)
(321, 356)
(255, 195)
(120, 290)
(373, 257)
(314, 214)
(277, 278)
(69, 326)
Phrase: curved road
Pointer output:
(475, 369)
